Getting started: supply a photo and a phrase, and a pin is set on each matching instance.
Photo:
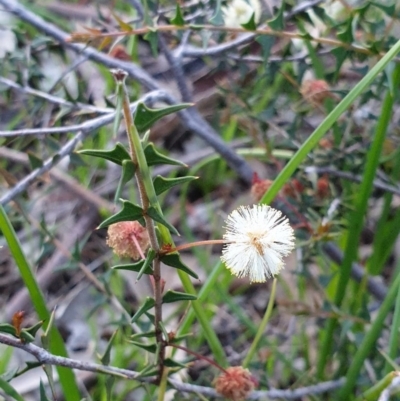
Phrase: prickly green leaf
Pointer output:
(43, 396)
(10, 390)
(128, 171)
(122, 24)
(162, 184)
(154, 157)
(106, 357)
(277, 23)
(174, 260)
(250, 25)
(34, 329)
(152, 38)
(148, 304)
(149, 370)
(34, 161)
(116, 155)
(151, 254)
(346, 35)
(26, 337)
(8, 328)
(146, 334)
(148, 347)
(129, 212)
(146, 117)
(217, 18)
(387, 9)
(156, 216)
(134, 267)
(341, 55)
(175, 296)
(170, 363)
(178, 19)
(179, 338)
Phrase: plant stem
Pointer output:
(146, 190)
(261, 329)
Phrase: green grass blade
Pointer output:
(316, 136)
(368, 342)
(57, 347)
(357, 218)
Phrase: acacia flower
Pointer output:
(128, 239)
(236, 383)
(257, 238)
(238, 12)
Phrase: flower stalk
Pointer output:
(147, 197)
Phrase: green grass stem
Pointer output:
(57, 346)
(356, 220)
(333, 116)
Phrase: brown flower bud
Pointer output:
(315, 91)
(323, 189)
(236, 383)
(128, 239)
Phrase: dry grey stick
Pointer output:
(375, 287)
(89, 125)
(66, 150)
(54, 99)
(352, 177)
(191, 118)
(192, 51)
(47, 358)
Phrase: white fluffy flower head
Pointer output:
(258, 238)
(238, 12)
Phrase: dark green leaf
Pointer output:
(162, 184)
(174, 364)
(146, 117)
(148, 304)
(277, 23)
(250, 25)
(151, 254)
(128, 171)
(217, 18)
(8, 328)
(156, 216)
(148, 347)
(116, 155)
(149, 370)
(178, 19)
(152, 38)
(134, 267)
(346, 35)
(174, 296)
(129, 212)
(34, 329)
(387, 9)
(146, 334)
(154, 157)
(26, 337)
(9, 390)
(174, 260)
(340, 54)
(106, 357)
(43, 396)
(34, 161)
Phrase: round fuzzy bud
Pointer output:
(315, 91)
(235, 384)
(323, 189)
(259, 188)
(128, 239)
